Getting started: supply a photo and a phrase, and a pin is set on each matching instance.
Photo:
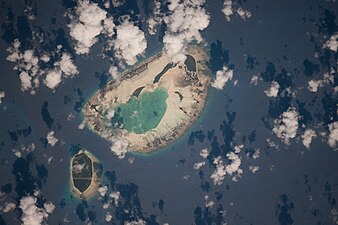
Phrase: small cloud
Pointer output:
(244, 14)
(219, 173)
(103, 190)
(287, 125)
(273, 90)
(115, 195)
(333, 135)
(254, 79)
(253, 169)
(332, 43)
(204, 153)
(7, 206)
(53, 79)
(307, 137)
(222, 77)
(109, 217)
(51, 139)
(198, 165)
(2, 95)
(227, 9)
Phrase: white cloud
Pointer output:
(184, 22)
(52, 140)
(30, 73)
(227, 9)
(130, 42)
(31, 213)
(119, 147)
(109, 217)
(77, 168)
(67, 66)
(198, 165)
(204, 153)
(307, 137)
(208, 203)
(218, 175)
(328, 78)
(115, 195)
(26, 81)
(287, 124)
(103, 190)
(234, 166)
(332, 43)
(136, 222)
(49, 207)
(53, 79)
(333, 135)
(8, 206)
(86, 25)
(113, 72)
(253, 169)
(244, 14)
(2, 95)
(24, 149)
(156, 19)
(273, 90)
(222, 77)
(254, 79)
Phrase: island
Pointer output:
(153, 103)
(85, 174)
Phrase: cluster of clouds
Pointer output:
(273, 90)
(185, 20)
(228, 11)
(222, 77)
(232, 168)
(24, 149)
(90, 21)
(328, 78)
(332, 43)
(32, 214)
(51, 139)
(86, 25)
(28, 64)
(287, 125)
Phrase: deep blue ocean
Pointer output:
(282, 41)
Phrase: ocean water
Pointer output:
(293, 185)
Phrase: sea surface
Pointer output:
(294, 185)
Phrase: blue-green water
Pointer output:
(145, 112)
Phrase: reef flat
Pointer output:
(153, 103)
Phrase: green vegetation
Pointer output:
(144, 113)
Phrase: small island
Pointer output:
(85, 174)
(153, 103)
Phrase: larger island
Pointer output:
(153, 103)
